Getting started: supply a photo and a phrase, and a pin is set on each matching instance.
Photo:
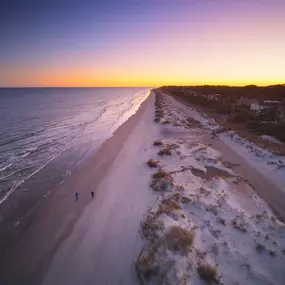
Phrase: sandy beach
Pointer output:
(31, 255)
(199, 185)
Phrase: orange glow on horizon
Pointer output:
(239, 48)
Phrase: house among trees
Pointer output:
(246, 101)
(215, 97)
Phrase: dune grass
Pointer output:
(157, 143)
(208, 273)
(152, 163)
(160, 174)
(165, 151)
(179, 239)
(168, 206)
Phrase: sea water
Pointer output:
(46, 133)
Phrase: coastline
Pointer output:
(31, 254)
(196, 185)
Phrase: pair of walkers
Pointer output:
(77, 195)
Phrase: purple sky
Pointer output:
(98, 43)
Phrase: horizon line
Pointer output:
(174, 85)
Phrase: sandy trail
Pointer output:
(106, 241)
(272, 193)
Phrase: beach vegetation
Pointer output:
(160, 174)
(208, 273)
(165, 151)
(157, 143)
(152, 163)
(167, 206)
(179, 239)
(145, 264)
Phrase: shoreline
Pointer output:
(47, 164)
(47, 230)
(196, 187)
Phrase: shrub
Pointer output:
(179, 239)
(152, 163)
(157, 143)
(145, 263)
(165, 151)
(160, 174)
(208, 273)
(167, 206)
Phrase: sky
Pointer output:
(141, 42)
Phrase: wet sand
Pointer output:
(26, 260)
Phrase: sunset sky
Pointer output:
(141, 43)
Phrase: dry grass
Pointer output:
(160, 174)
(145, 264)
(208, 273)
(162, 181)
(149, 227)
(152, 163)
(168, 206)
(158, 108)
(157, 143)
(165, 151)
(179, 239)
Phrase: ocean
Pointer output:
(46, 133)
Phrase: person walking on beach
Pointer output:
(76, 196)
(92, 194)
